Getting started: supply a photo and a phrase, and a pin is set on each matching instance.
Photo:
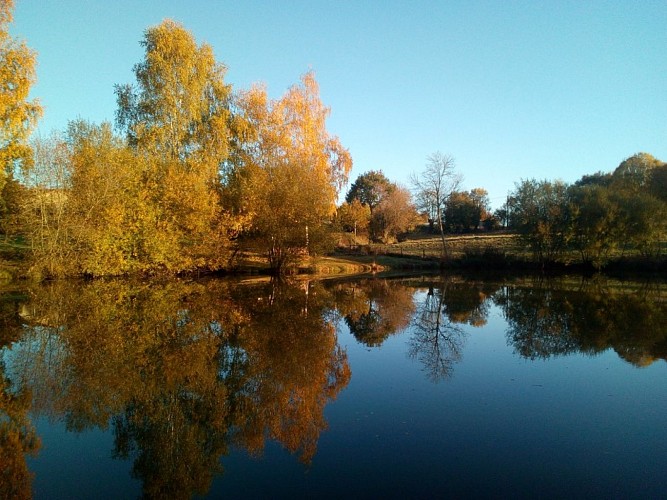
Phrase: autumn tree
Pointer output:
(113, 225)
(464, 210)
(18, 114)
(433, 186)
(642, 221)
(596, 229)
(658, 182)
(354, 216)
(395, 214)
(149, 201)
(480, 198)
(634, 173)
(88, 210)
(177, 118)
(623, 209)
(597, 179)
(462, 213)
(637, 184)
(287, 173)
(42, 214)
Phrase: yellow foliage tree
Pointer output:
(112, 225)
(177, 119)
(18, 115)
(288, 171)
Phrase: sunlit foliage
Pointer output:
(540, 214)
(286, 176)
(176, 120)
(354, 216)
(18, 114)
(395, 214)
(369, 189)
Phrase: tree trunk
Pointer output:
(442, 235)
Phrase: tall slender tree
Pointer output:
(434, 185)
(18, 114)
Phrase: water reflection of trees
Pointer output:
(17, 434)
(438, 338)
(436, 341)
(181, 370)
(374, 309)
(547, 319)
(434, 311)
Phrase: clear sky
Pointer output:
(511, 89)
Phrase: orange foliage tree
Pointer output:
(287, 172)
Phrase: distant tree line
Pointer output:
(384, 211)
(596, 216)
(599, 216)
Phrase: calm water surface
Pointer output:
(421, 387)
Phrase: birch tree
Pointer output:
(288, 172)
(18, 114)
(177, 116)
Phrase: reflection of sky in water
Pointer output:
(79, 465)
(34, 358)
(501, 425)
(498, 424)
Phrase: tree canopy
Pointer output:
(197, 173)
(369, 188)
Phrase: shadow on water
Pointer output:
(182, 371)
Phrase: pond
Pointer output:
(418, 387)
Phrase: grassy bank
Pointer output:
(487, 252)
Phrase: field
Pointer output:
(458, 246)
(492, 250)
(428, 246)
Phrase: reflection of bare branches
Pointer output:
(436, 341)
(38, 364)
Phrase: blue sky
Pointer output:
(511, 89)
